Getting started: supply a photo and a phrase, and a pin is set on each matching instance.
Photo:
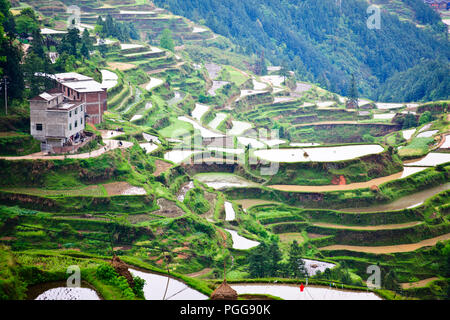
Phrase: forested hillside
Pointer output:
(327, 41)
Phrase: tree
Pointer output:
(425, 118)
(295, 266)
(353, 93)
(258, 261)
(26, 22)
(69, 43)
(84, 51)
(86, 39)
(103, 48)
(166, 40)
(261, 66)
(274, 256)
(390, 281)
(10, 53)
(284, 71)
(409, 121)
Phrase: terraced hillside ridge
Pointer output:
(219, 157)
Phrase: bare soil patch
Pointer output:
(121, 66)
(379, 227)
(291, 236)
(212, 199)
(122, 188)
(168, 209)
(138, 218)
(315, 235)
(161, 166)
(418, 284)
(390, 249)
(199, 273)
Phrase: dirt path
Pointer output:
(351, 186)
(418, 284)
(110, 145)
(390, 249)
(109, 134)
(373, 228)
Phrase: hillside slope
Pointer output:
(327, 41)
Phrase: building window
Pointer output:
(38, 126)
(70, 126)
(76, 111)
(70, 114)
(76, 123)
(81, 120)
(81, 108)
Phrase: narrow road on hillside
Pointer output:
(110, 145)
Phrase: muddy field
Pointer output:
(123, 188)
(168, 209)
(390, 249)
(161, 166)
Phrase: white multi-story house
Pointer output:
(55, 121)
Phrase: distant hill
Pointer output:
(326, 41)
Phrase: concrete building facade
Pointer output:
(55, 121)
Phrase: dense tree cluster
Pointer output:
(109, 27)
(10, 52)
(20, 64)
(265, 261)
(426, 81)
(166, 40)
(327, 41)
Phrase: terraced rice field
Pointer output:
(390, 249)
(372, 228)
(351, 186)
(319, 154)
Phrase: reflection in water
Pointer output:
(292, 292)
(68, 293)
(240, 242)
(221, 181)
(155, 288)
(319, 154)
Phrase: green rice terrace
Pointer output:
(200, 162)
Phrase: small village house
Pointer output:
(81, 88)
(55, 121)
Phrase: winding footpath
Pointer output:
(110, 145)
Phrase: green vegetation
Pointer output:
(296, 33)
(166, 40)
(126, 202)
(195, 200)
(18, 144)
